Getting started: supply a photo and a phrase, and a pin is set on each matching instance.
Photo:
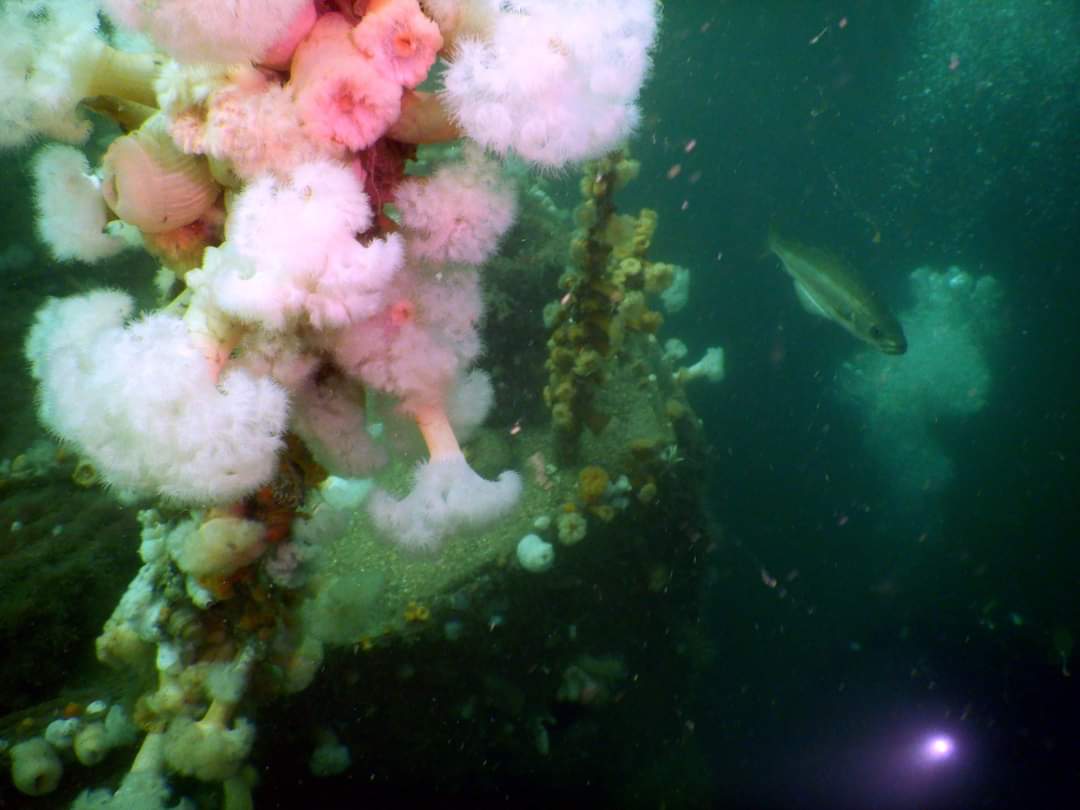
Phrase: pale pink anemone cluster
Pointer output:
(339, 90)
(347, 80)
(311, 299)
(264, 139)
(278, 130)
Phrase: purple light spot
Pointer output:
(939, 748)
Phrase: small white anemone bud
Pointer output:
(534, 554)
(35, 768)
(91, 744)
(59, 733)
(675, 350)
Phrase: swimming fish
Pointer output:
(827, 286)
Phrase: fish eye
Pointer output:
(875, 332)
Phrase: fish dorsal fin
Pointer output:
(809, 303)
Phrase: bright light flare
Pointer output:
(938, 748)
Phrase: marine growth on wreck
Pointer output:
(380, 434)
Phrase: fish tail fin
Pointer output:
(771, 238)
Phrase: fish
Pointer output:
(829, 287)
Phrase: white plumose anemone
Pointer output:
(141, 402)
(554, 80)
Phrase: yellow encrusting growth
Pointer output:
(603, 297)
